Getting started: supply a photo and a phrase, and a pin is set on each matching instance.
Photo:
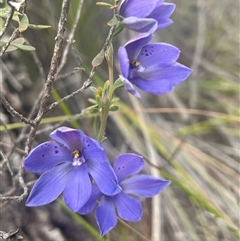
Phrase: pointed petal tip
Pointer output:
(105, 215)
(129, 87)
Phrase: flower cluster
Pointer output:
(151, 67)
(77, 166)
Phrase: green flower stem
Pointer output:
(107, 94)
(109, 58)
(104, 116)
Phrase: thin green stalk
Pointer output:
(104, 117)
(107, 94)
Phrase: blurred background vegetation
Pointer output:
(190, 136)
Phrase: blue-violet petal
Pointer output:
(45, 156)
(50, 185)
(78, 188)
(153, 86)
(128, 208)
(104, 176)
(93, 150)
(91, 203)
(129, 87)
(144, 185)
(141, 25)
(137, 8)
(127, 164)
(71, 138)
(106, 216)
(158, 54)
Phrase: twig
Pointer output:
(12, 80)
(15, 33)
(9, 18)
(67, 119)
(88, 82)
(75, 70)
(86, 85)
(76, 54)
(22, 184)
(20, 172)
(30, 116)
(38, 64)
(9, 146)
(14, 113)
(7, 198)
(6, 161)
(11, 235)
(71, 36)
(57, 53)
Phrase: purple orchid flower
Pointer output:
(66, 164)
(142, 16)
(150, 67)
(128, 208)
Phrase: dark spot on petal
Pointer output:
(55, 147)
(56, 152)
(43, 155)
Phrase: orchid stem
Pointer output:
(104, 116)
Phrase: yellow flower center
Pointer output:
(134, 63)
(76, 154)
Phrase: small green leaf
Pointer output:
(109, 54)
(15, 17)
(2, 43)
(104, 4)
(14, 44)
(117, 84)
(18, 41)
(93, 101)
(24, 47)
(113, 21)
(93, 111)
(11, 48)
(106, 86)
(118, 29)
(90, 109)
(34, 26)
(115, 99)
(3, 11)
(93, 89)
(98, 59)
(99, 101)
(23, 25)
(113, 108)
